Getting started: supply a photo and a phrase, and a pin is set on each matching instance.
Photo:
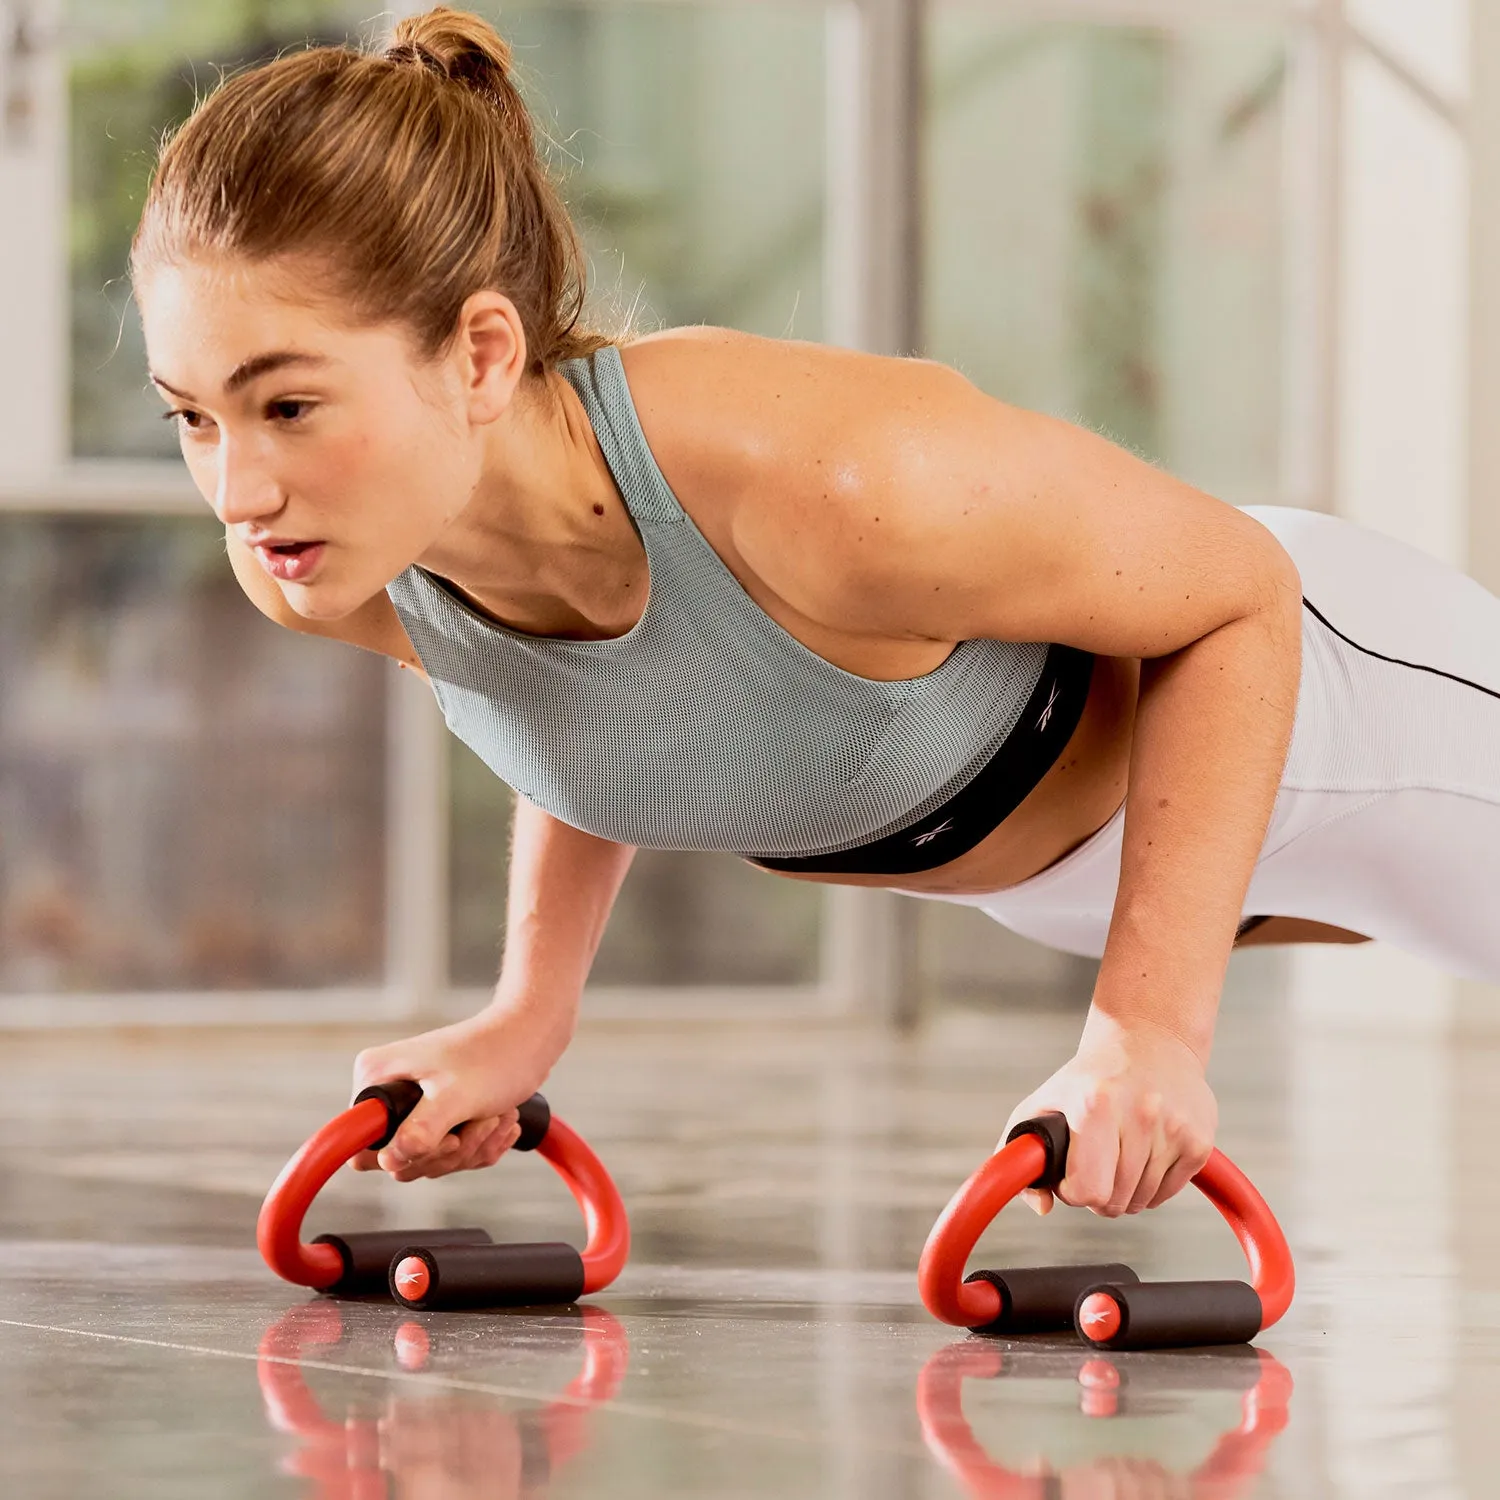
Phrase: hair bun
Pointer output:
(455, 43)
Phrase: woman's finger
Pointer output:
(1162, 1159)
(499, 1142)
(473, 1139)
(1136, 1149)
(436, 1163)
(1177, 1177)
(1093, 1155)
(481, 1144)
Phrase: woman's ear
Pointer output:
(491, 348)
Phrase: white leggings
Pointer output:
(1388, 818)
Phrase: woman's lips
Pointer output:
(294, 565)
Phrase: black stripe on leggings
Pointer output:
(1396, 661)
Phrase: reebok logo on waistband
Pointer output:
(1046, 717)
(927, 838)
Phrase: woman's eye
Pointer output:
(288, 411)
(185, 421)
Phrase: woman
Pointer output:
(843, 615)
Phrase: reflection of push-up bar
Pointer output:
(1109, 1305)
(1237, 1459)
(441, 1268)
(339, 1455)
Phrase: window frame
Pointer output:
(872, 278)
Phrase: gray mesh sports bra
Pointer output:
(707, 726)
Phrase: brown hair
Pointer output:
(412, 174)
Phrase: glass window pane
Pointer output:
(1104, 231)
(689, 140)
(965, 957)
(190, 796)
(692, 139)
(681, 919)
(134, 71)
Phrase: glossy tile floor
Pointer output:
(767, 1339)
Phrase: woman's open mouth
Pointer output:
(291, 562)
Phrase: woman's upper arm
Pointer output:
(375, 626)
(974, 519)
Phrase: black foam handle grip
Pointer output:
(1052, 1130)
(367, 1256)
(536, 1120)
(1178, 1314)
(490, 1276)
(402, 1095)
(1041, 1299)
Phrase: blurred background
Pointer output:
(1233, 234)
(1256, 240)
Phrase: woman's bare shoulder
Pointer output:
(715, 394)
(793, 458)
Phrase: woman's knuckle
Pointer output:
(1083, 1194)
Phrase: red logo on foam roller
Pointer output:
(413, 1277)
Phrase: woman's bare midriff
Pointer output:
(1076, 798)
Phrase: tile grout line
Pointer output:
(452, 1382)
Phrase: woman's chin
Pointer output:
(330, 594)
(323, 603)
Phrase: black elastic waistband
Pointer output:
(1046, 725)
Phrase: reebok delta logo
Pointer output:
(1046, 717)
(927, 838)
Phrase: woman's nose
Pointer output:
(245, 490)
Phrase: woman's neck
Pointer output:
(545, 543)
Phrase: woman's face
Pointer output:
(326, 447)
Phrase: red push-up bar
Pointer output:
(1108, 1304)
(441, 1267)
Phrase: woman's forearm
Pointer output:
(563, 883)
(1211, 735)
(475, 1072)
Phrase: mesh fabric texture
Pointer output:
(706, 726)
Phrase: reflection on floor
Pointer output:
(766, 1339)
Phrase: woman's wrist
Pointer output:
(542, 1017)
(1112, 1026)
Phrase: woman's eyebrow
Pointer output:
(252, 369)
